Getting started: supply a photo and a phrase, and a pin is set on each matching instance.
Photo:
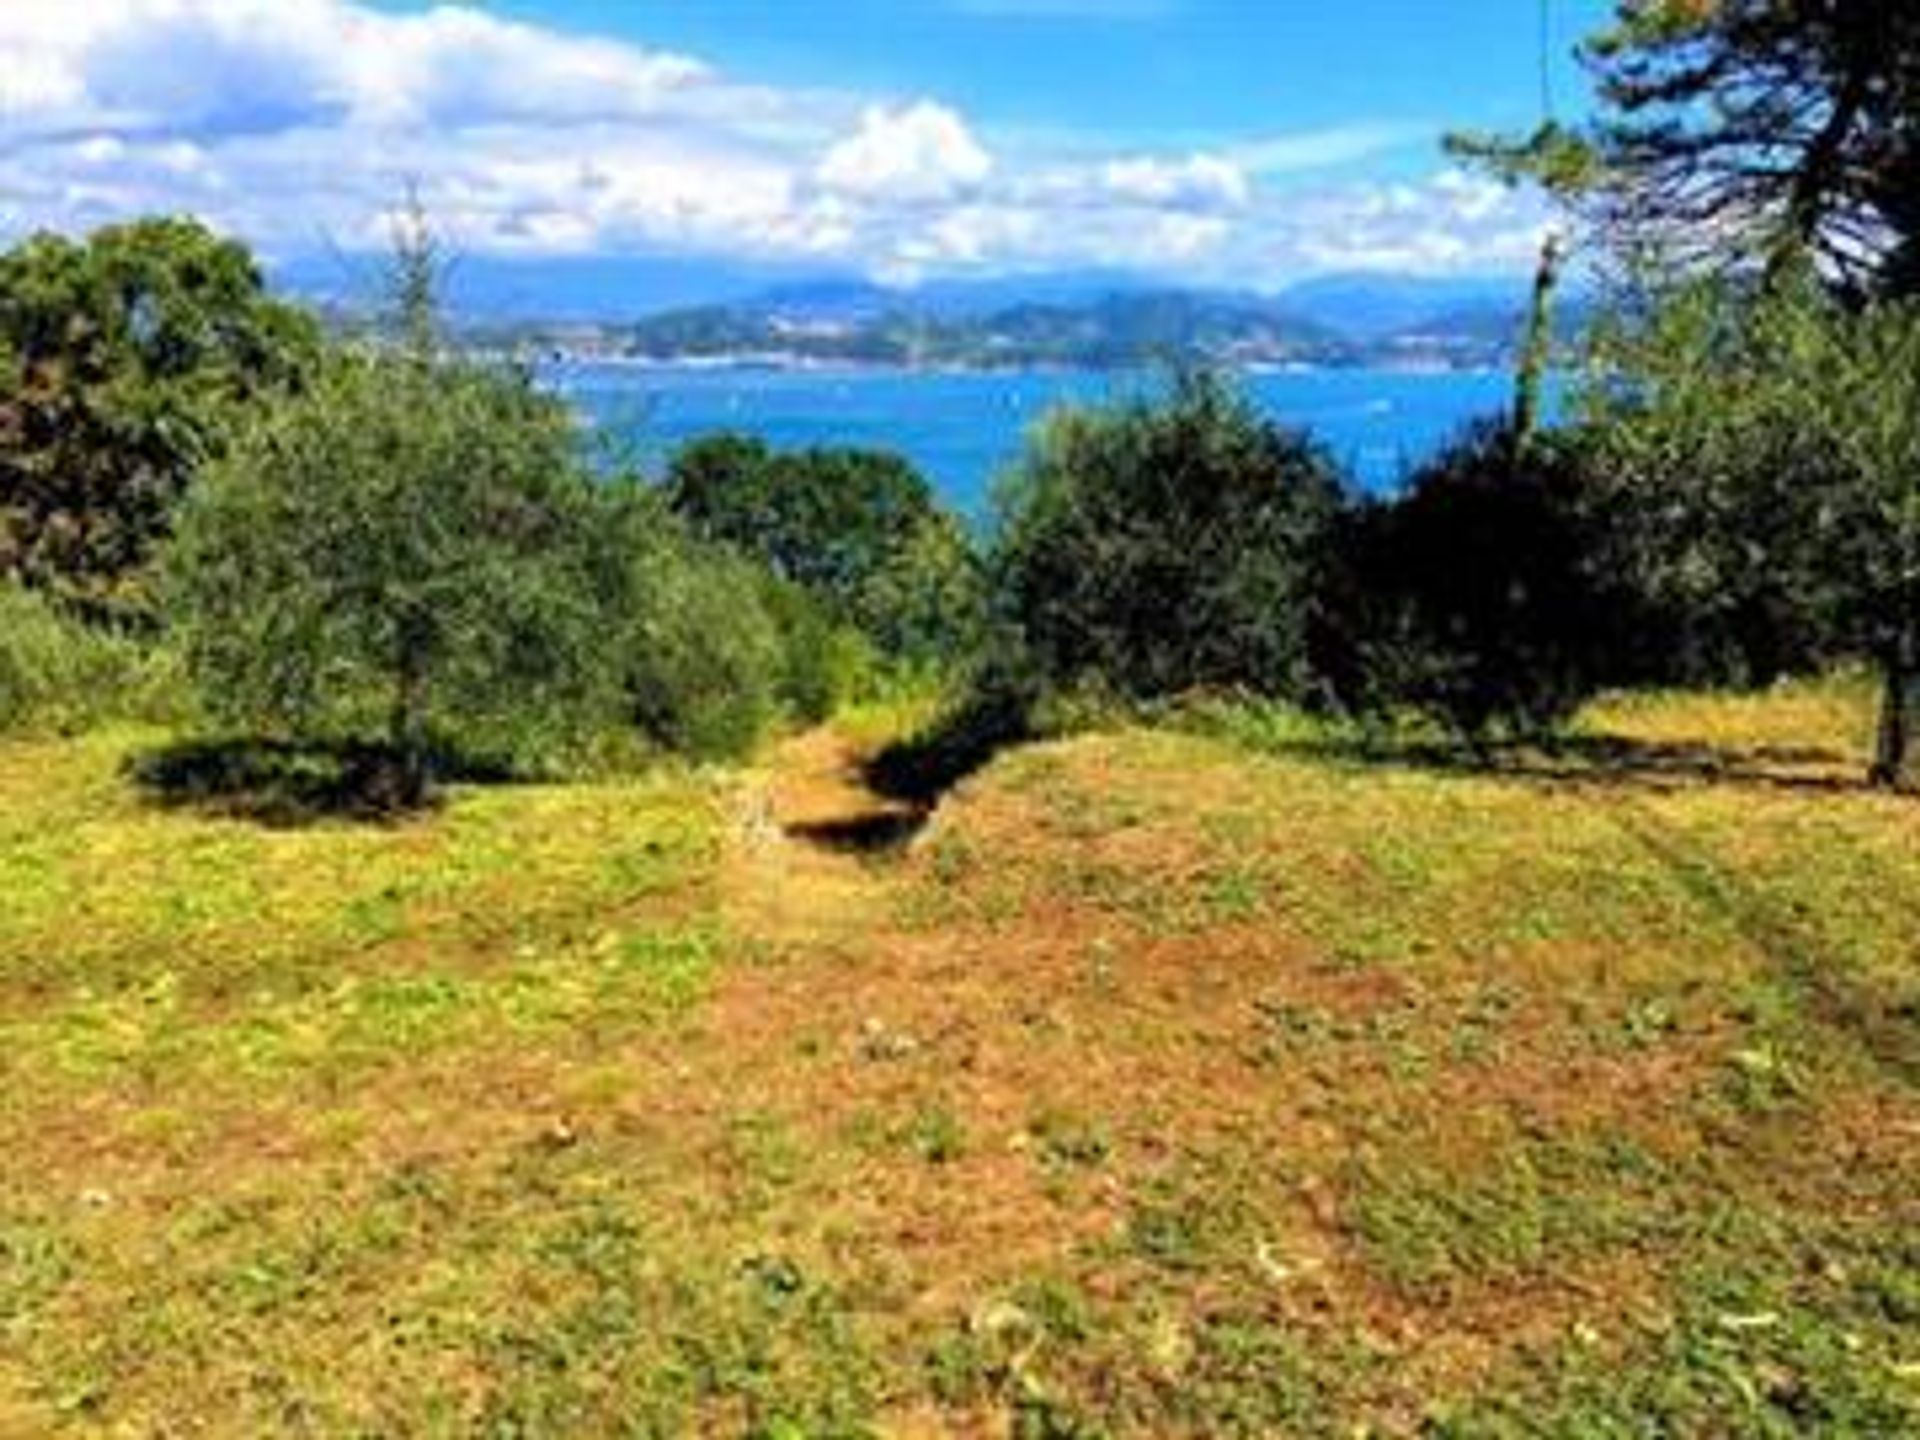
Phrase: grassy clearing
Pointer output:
(1169, 1083)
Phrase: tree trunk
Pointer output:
(1890, 750)
(1814, 192)
(407, 729)
(1536, 353)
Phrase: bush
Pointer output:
(1480, 594)
(699, 657)
(824, 662)
(710, 648)
(59, 674)
(926, 605)
(856, 530)
(403, 551)
(1164, 545)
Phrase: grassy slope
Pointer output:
(1171, 1083)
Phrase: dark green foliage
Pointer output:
(1166, 544)
(1744, 132)
(1762, 126)
(126, 360)
(856, 529)
(825, 519)
(696, 654)
(1479, 594)
(399, 550)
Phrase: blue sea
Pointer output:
(963, 428)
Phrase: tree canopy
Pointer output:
(1166, 544)
(402, 548)
(1745, 131)
(1478, 593)
(1773, 441)
(126, 361)
(829, 518)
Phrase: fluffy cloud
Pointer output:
(1451, 221)
(296, 121)
(237, 66)
(1198, 182)
(919, 152)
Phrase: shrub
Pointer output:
(404, 551)
(57, 673)
(857, 530)
(1478, 594)
(700, 659)
(1166, 544)
(824, 662)
(926, 605)
(710, 647)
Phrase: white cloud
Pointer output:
(286, 121)
(1472, 197)
(1197, 182)
(1450, 221)
(918, 152)
(262, 65)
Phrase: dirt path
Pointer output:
(809, 846)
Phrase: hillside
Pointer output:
(1093, 319)
(1120, 329)
(1164, 1083)
(1203, 1081)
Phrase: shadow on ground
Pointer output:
(921, 769)
(282, 784)
(1611, 760)
(881, 833)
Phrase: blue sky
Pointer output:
(1211, 141)
(1136, 72)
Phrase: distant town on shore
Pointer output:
(1094, 323)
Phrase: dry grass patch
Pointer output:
(1162, 1085)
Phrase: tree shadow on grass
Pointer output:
(1611, 761)
(879, 833)
(283, 784)
(922, 768)
(1885, 1023)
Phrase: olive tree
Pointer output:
(404, 549)
(1773, 438)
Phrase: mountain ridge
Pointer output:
(667, 310)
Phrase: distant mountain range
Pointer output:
(687, 311)
(1403, 322)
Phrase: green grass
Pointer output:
(1231, 1082)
